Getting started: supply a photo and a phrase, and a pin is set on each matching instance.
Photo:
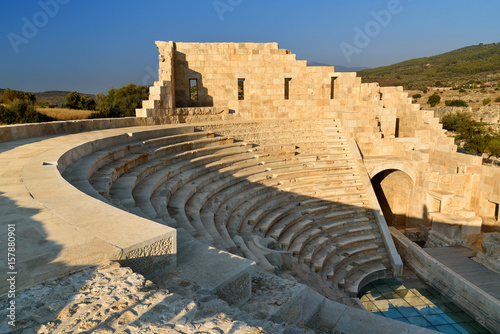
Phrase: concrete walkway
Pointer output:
(459, 259)
(59, 229)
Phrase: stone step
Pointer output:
(352, 286)
(345, 221)
(287, 236)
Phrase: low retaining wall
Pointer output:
(483, 307)
(31, 130)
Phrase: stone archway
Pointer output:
(394, 189)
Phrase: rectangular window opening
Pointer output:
(332, 88)
(497, 207)
(396, 131)
(193, 89)
(287, 88)
(241, 89)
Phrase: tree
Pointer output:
(9, 95)
(494, 147)
(73, 100)
(22, 111)
(121, 102)
(456, 103)
(434, 99)
(86, 103)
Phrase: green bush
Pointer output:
(22, 111)
(75, 100)
(417, 96)
(434, 99)
(497, 99)
(456, 103)
(486, 101)
(462, 90)
(121, 102)
(494, 148)
(456, 121)
(10, 95)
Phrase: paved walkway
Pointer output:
(459, 260)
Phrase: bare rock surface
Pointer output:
(114, 299)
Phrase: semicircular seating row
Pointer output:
(268, 191)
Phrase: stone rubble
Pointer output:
(114, 299)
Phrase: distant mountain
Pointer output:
(471, 63)
(57, 97)
(338, 68)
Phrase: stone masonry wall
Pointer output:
(382, 120)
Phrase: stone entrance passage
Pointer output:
(394, 191)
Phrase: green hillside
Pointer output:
(466, 65)
(56, 97)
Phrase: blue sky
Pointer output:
(92, 46)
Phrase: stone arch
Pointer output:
(393, 166)
(394, 188)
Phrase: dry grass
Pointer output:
(64, 114)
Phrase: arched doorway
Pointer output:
(394, 190)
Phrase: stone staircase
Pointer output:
(286, 194)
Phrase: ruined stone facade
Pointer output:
(421, 179)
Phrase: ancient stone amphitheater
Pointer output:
(243, 187)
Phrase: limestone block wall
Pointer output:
(264, 68)
(486, 199)
(260, 81)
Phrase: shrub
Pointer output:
(486, 101)
(456, 121)
(121, 102)
(9, 95)
(434, 99)
(75, 100)
(456, 103)
(22, 111)
(494, 147)
(497, 99)
(462, 90)
(417, 96)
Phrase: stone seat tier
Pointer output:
(179, 151)
(250, 200)
(85, 166)
(253, 254)
(144, 191)
(287, 234)
(241, 199)
(355, 279)
(122, 189)
(194, 189)
(276, 174)
(349, 238)
(354, 228)
(182, 186)
(103, 178)
(275, 228)
(229, 187)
